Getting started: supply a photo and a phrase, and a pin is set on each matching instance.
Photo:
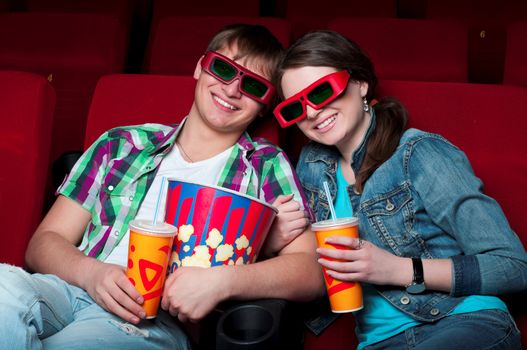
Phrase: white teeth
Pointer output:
(326, 122)
(224, 104)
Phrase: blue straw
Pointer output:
(330, 201)
(159, 199)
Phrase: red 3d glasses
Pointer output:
(316, 95)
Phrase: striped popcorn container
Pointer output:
(216, 226)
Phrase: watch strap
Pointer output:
(418, 282)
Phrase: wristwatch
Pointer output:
(418, 282)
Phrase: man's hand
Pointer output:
(108, 285)
(192, 292)
(288, 224)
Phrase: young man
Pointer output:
(85, 299)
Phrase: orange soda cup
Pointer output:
(343, 296)
(148, 254)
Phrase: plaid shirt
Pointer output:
(112, 177)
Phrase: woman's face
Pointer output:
(342, 122)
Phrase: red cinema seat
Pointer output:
(515, 71)
(167, 8)
(129, 99)
(178, 42)
(73, 50)
(487, 21)
(410, 49)
(4, 5)
(122, 9)
(26, 110)
(309, 15)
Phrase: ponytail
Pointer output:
(391, 117)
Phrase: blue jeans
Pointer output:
(44, 312)
(482, 330)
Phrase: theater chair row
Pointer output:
(487, 121)
(74, 50)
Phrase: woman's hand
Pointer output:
(288, 224)
(362, 261)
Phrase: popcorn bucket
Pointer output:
(216, 226)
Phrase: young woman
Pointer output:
(434, 250)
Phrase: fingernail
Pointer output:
(140, 300)
(134, 319)
(142, 314)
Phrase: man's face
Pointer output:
(222, 106)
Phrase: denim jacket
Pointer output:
(424, 201)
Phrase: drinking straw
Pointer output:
(330, 201)
(159, 199)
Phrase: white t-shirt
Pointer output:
(206, 172)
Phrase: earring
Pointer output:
(365, 105)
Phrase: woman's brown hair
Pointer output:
(330, 49)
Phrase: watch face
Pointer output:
(416, 288)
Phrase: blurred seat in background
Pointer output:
(72, 50)
(308, 15)
(129, 99)
(177, 43)
(515, 72)
(410, 49)
(487, 21)
(26, 110)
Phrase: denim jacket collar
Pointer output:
(330, 155)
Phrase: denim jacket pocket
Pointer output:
(391, 214)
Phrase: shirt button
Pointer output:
(116, 233)
(110, 188)
(405, 300)
(131, 198)
(434, 312)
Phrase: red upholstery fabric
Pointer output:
(118, 8)
(4, 5)
(407, 49)
(308, 15)
(164, 8)
(128, 99)
(26, 110)
(516, 55)
(73, 50)
(487, 21)
(178, 42)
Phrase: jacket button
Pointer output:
(434, 312)
(389, 206)
(110, 188)
(405, 300)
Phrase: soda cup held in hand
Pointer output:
(148, 254)
(343, 296)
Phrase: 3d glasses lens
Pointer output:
(292, 111)
(254, 87)
(223, 69)
(320, 93)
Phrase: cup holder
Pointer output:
(246, 327)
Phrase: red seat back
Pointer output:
(178, 42)
(515, 72)
(73, 50)
(26, 110)
(129, 99)
(407, 49)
